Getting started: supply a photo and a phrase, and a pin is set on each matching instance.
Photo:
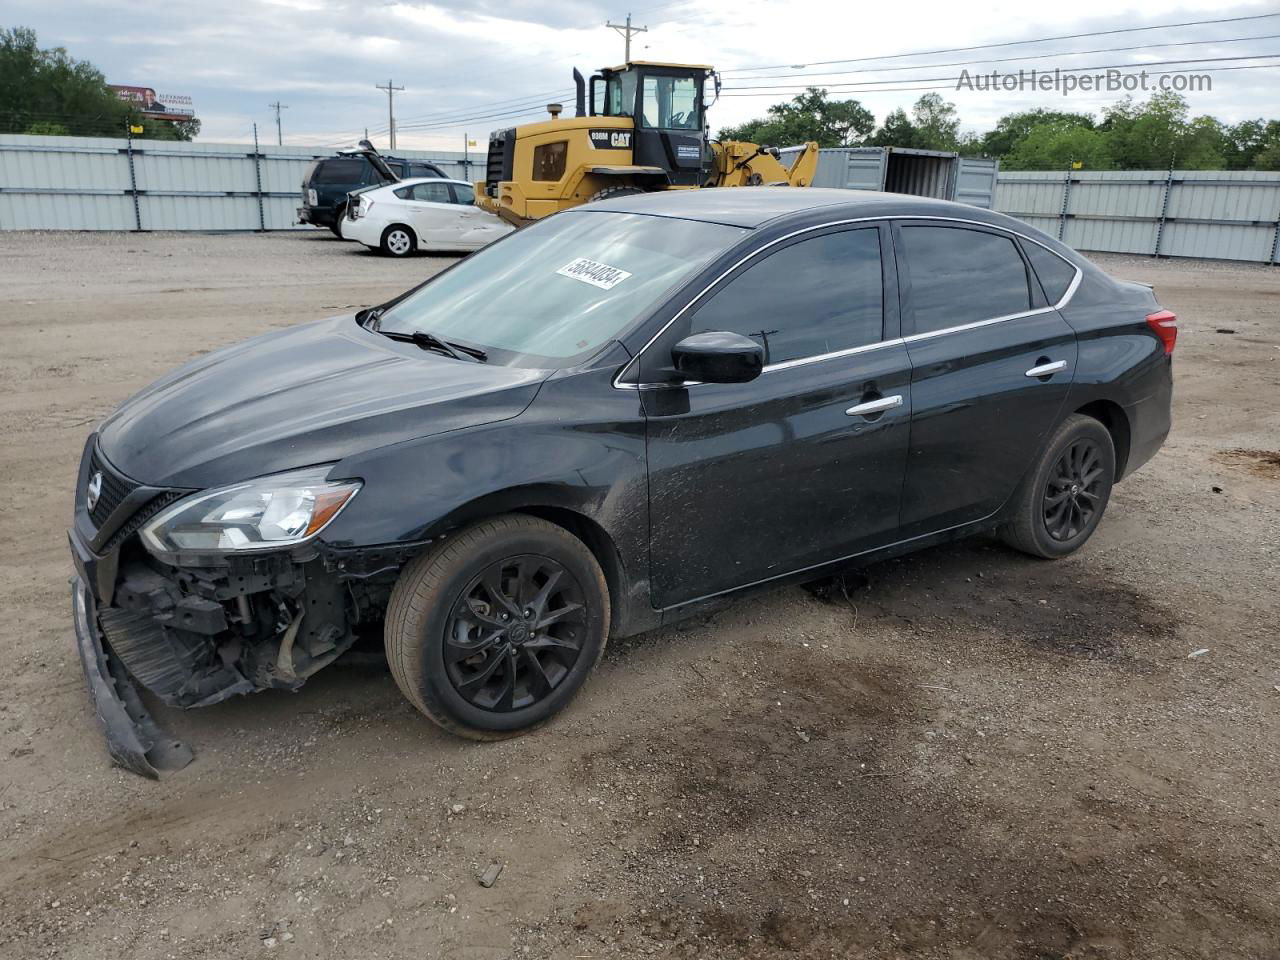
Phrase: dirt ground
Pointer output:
(973, 755)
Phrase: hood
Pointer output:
(309, 394)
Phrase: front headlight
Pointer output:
(268, 513)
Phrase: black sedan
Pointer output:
(594, 427)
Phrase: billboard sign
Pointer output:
(169, 106)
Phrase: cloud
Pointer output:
(487, 63)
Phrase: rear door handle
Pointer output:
(874, 406)
(1047, 369)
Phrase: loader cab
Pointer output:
(665, 102)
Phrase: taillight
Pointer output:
(1165, 324)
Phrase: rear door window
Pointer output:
(959, 276)
(339, 171)
(463, 194)
(423, 170)
(817, 296)
(430, 193)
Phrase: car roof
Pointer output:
(413, 180)
(755, 206)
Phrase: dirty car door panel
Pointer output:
(979, 414)
(756, 480)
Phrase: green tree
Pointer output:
(1054, 146)
(46, 129)
(1268, 158)
(1013, 127)
(1244, 142)
(52, 93)
(936, 123)
(1158, 134)
(809, 116)
(896, 131)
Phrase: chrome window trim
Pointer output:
(976, 323)
(819, 357)
(800, 361)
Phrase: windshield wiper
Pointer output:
(429, 341)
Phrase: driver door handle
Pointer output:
(1047, 369)
(879, 405)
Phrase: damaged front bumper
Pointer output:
(196, 630)
(134, 740)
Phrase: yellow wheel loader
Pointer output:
(641, 128)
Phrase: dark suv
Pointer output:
(327, 182)
(598, 425)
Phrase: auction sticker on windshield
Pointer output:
(593, 272)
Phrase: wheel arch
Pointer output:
(417, 240)
(545, 504)
(1112, 416)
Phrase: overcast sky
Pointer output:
(476, 65)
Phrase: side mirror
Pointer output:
(718, 357)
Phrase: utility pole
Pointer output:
(392, 90)
(277, 107)
(625, 30)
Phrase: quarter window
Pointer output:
(960, 276)
(817, 296)
(1055, 273)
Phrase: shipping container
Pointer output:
(923, 173)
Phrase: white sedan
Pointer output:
(420, 214)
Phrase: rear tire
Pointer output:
(1062, 499)
(496, 630)
(339, 215)
(398, 241)
(608, 193)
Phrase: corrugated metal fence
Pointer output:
(92, 183)
(1218, 214)
(89, 183)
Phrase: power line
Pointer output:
(525, 108)
(454, 111)
(1029, 56)
(788, 88)
(1153, 73)
(459, 115)
(1005, 43)
(447, 124)
(391, 111)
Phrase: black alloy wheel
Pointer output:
(515, 633)
(496, 629)
(1063, 495)
(1074, 490)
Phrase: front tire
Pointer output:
(496, 630)
(398, 241)
(1062, 499)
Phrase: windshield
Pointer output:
(560, 288)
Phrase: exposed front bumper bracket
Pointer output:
(134, 739)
